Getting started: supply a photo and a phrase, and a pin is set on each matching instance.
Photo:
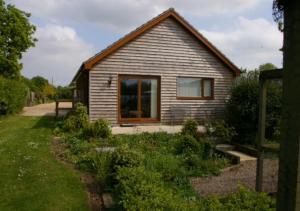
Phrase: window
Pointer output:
(195, 88)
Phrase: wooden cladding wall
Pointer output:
(166, 50)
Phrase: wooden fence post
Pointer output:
(56, 108)
(261, 134)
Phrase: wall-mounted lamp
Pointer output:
(109, 81)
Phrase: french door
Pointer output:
(139, 98)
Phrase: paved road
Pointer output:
(47, 109)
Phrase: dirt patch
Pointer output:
(93, 189)
(242, 174)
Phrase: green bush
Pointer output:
(103, 165)
(140, 189)
(242, 108)
(167, 165)
(125, 157)
(86, 162)
(220, 130)
(187, 144)
(98, 129)
(207, 148)
(77, 120)
(243, 199)
(12, 96)
(190, 127)
(78, 146)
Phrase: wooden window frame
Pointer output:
(202, 97)
(139, 78)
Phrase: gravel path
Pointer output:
(47, 109)
(242, 174)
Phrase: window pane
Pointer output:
(149, 98)
(129, 98)
(189, 87)
(207, 88)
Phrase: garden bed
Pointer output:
(151, 171)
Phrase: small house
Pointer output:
(162, 72)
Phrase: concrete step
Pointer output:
(242, 156)
(225, 147)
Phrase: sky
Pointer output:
(71, 31)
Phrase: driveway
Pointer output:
(47, 109)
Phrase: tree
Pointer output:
(63, 92)
(48, 91)
(39, 83)
(16, 36)
(242, 108)
(266, 66)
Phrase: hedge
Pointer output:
(12, 96)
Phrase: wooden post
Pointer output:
(261, 134)
(288, 196)
(56, 108)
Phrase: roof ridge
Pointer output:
(171, 9)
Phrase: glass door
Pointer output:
(139, 98)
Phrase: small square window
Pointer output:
(194, 88)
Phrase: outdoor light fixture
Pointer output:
(109, 81)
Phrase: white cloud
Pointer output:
(126, 14)
(249, 43)
(58, 54)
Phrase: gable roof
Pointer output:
(88, 64)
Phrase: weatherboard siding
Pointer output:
(169, 51)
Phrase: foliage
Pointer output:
(15, 38)
(125, 157)
(98, 129)
(219, 129)
(86, 162)
(77, 120)
(12, 96)
(140, 189)
(103, 165)
(63, 92)
(200, 167)
(190, 127)
(168, 165)
(48, 91)
(187, 144)
(243, 199)
(150, 171)
(242, 108)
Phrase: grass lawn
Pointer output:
(30, 176)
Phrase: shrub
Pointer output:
(200, 167)
(140, 189)
(187, 144)
(98, 129)
(77, 120)
(12, 96)
(207, 148)
(243, 199)
(167, 165)
(242, 108)
(103, 165)
(220, 130)
(125, 157)
(86, 162)
(78, 146)
(190, 127)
